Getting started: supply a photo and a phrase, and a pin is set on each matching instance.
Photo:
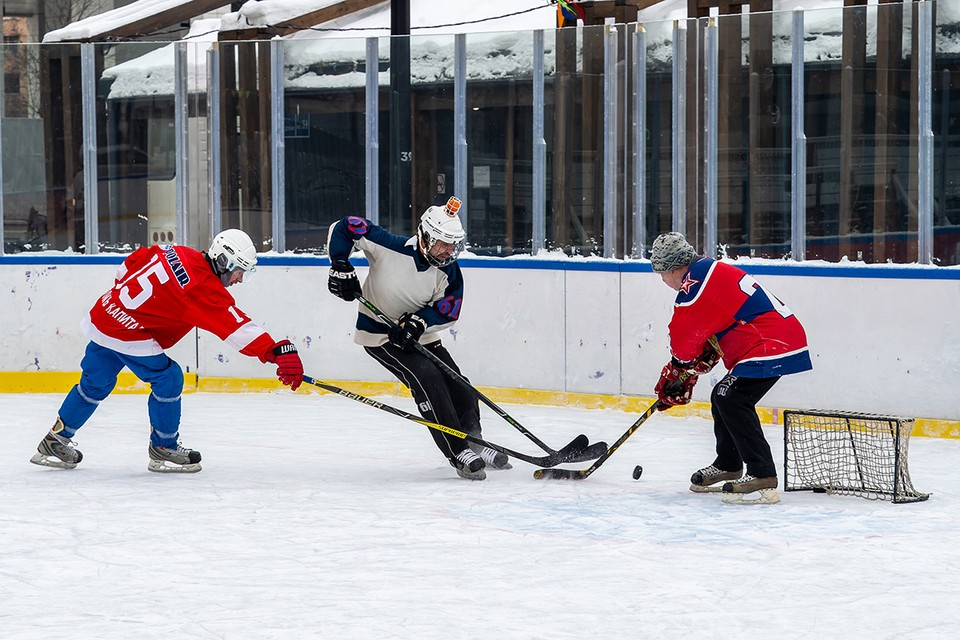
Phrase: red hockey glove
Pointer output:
(675, 386)
(407, 331)
(289, 366)
(707, 360)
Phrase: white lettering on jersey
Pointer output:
(750, 286)
(152, 268)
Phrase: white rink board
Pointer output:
(592, 319)
(41, 310)
(884, 345)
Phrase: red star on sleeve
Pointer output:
(688, 283)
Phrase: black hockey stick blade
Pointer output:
(591, 452)
(573, 451)
(580, 474)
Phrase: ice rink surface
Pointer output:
(318, 517)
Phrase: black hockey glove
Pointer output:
(407, 331)
(343, 281)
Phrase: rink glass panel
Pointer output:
(499, 135)
(40, 209)
(324, 137)
(945, 122)
(861, 147)
(136, 146)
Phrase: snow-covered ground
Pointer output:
(317, 517)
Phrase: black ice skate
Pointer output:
(173, 460)
(469, 465)
(492, 458)
(708, 479)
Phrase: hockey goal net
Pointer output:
(847, 453)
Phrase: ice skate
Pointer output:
(492, 458)
(56, 450)
(173, 460)
(750, 490)
(469, 465)
(708, 479)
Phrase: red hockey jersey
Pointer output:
(161, 293)
(759, 336)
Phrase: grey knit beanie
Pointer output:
(671, 251)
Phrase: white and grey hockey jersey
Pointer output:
(399, 280)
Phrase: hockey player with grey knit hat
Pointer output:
(671, 251)
(760, 340)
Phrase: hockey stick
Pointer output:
(589, 452)
(569, 453)
(580, 474)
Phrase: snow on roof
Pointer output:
(426, 16)
(315, 59)
(108, 21)
(153, 73)
(492, 56)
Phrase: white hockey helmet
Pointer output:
(441, 224)
(231, 250)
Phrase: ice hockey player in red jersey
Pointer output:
(760, 340)
(160, 294)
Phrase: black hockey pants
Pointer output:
(736, 425)
(439, 399)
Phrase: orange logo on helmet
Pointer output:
(452, 206)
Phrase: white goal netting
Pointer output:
(848, 453)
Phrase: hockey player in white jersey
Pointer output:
(417, 282)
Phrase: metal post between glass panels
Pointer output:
(91, 207)
(279, 146)
(609, 141)
(798, 179)
(539, 148)
(625, 119)
(925, 143)
(372, 132)
(213, 148)
(3, 103)
(711, 156)
(639, 140)
(460, 124)
(181, 124)
(679, 205)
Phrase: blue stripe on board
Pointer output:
(50, 260)
(543, 265)
(607, 266)
(831, 271)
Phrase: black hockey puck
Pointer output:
(819, 490)
(637, 472)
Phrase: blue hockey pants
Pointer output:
(99, 369)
